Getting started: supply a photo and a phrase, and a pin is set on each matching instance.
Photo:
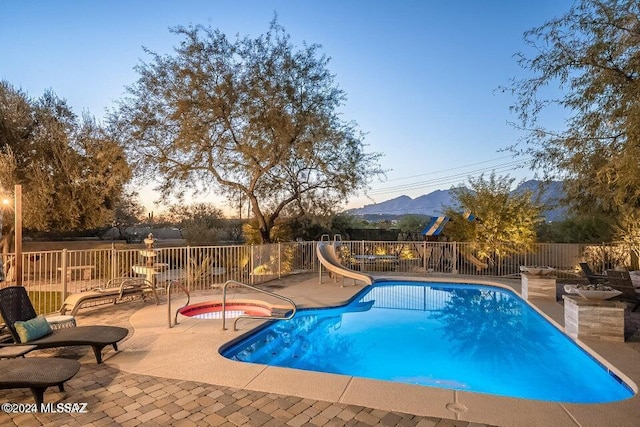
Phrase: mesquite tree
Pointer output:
(257, 117)
(592, 54)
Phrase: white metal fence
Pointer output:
(461, 258)
(50, 276)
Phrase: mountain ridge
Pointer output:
(434, 203)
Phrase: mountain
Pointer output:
(428, 204)
(435, 203)
(552, 194)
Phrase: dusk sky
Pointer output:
(422, 78)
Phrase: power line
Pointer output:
(450, 169)
(450, 179)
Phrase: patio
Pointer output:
(160, 376)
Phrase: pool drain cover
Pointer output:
(456, 408)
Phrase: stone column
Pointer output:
(538, 286)
(594, 319)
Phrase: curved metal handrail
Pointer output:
(179, 283)
(246, 316)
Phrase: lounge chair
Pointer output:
(593, 278)
(114, 290)
(26, 327)
(621, 281)
(37, 374)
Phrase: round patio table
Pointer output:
(37, 374)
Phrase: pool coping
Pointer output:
(154, 349)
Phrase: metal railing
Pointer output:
(50, 276)
(186, 291)
(249, 316)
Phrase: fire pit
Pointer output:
(536, 270)
(592, 292)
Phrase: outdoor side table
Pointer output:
(12, 351)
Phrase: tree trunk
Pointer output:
(264, 226)
(5, 261)
(265, 234)
(6, 242)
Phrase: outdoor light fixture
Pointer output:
(17, 215)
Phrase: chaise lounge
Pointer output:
(37, 374)
(27, 327)
(114, 290)
(621, 281)
(592, 277)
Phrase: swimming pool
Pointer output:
(464, 337)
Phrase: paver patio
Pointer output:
(117, 397)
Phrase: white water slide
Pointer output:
(329, 259)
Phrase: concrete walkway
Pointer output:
(176, 376)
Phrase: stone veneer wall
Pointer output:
(538, 286)
(589, 319)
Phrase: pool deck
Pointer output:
(188, 353)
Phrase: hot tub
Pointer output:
(213, 309)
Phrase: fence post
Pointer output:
(279, 261)
(189, 268)
(424, 256)
(114, 263)
(319, 267)
(251, 277)
(63, 272)
(454, 261)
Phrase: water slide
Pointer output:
(480, 265)
(329, 259)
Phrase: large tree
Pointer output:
(591, 55)
(505, 220)
(256, 117)
(71, 172)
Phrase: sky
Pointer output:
(422, 77)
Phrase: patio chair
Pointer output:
(27, 327)
(592, 277)
(621, 281)
(37, 374)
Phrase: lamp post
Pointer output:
(17, 214)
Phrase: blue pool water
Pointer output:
(465, 337)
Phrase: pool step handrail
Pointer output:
(181, 285)
(247, 316)
(337, 238)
